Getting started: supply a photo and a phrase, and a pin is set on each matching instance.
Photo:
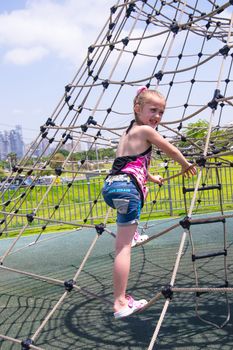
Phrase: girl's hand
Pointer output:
(189, 169)
(158, 179)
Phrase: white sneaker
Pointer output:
(138, 239)
(132, 307)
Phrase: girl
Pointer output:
(125, 189)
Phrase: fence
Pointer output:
(82, 202)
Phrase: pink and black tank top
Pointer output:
(136, 167)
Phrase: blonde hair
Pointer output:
(144, 95)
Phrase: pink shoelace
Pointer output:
(136, 236)
(131, 301)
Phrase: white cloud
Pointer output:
(21, 56)
(64, 29)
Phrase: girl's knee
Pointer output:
(124, 249)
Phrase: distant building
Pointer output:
(72, 147)
(86, 143)
(11, 142)
(40, 148)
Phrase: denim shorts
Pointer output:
(125, 198)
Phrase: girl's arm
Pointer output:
(156, 139)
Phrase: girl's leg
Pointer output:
(122, 264)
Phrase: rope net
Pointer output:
(182, 48)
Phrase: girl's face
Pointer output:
(151, 112)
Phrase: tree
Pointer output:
(57, 160)
(220, 139)
(64, 152)
(2, 174)
(197, 130)
(12, 159)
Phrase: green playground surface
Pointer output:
(83, 321)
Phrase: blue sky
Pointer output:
(42, 44)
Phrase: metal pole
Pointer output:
(169, 194)
(89, 197)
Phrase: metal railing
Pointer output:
(84, 203)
